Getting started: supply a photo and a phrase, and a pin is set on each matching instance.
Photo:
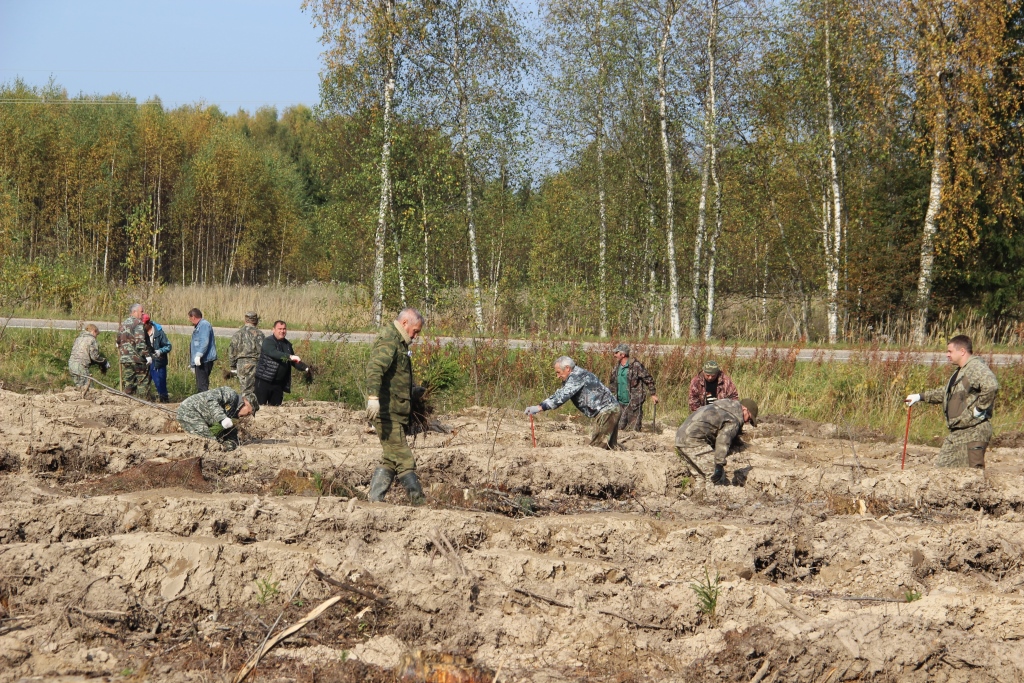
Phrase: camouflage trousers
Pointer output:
(193, 423)
(631, 416)
(965, 447)
(397, 455)
(133, 376)
(246, 370)
(606, 429)
(698, 456)
(78, 370)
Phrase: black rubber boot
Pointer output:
(380, 482)
(719, 476)
(411, 482)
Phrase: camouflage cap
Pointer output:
(751, 406)
(711, 367)
(623, 349)
(252, 316)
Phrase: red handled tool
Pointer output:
(533, 432)
(906, 437)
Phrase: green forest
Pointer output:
(818, 170)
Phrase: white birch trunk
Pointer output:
(711, 128)
(474, 263)
(673, 278)
(832, 255)
(603, 232)
(385, 178)
(931, 217)
(426, 250)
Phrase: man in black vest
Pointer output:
(274, 368)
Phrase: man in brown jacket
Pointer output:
(632, 384)
(710, 385)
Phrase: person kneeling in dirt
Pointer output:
(967, 401)
(592, 398)
(84, 354)
(389, 405)
(713, 428)
(216, 407)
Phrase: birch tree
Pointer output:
(364, 40)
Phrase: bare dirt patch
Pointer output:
(131, 550)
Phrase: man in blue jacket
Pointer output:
(203, 350)
(159, 346)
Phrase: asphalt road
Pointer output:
(722, 351)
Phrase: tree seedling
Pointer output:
(707, 590)
(266, 590)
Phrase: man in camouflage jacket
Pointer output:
(86, 353)
(710, 385)
(631, 383)
(389, 405)
(967, 400)
(134, 351)
(590, 397)
(218, 407)
(712, 429)
(244, 353)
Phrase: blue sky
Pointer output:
(232, 53)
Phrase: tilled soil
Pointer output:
(131, 550)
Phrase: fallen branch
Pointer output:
(344, 585)
(780, 597)
(638, 624)
(542, 598)
(763, 671)
(269, 645)
(115, 392)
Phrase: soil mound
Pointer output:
(153, 474)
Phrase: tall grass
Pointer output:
(864, 394)
(567, 314)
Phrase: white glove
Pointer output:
(226, 423)
(149, 360)
(157, 353)
(295, 359)
(372, 408)
(978, 413)
(533, 410)
(912, 399)
(198, 360)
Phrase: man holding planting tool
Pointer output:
(217, 408)
(389, 405)
(710, 385)
(712, 429)
(134, 351)
(592, 398)
(967, 401)
(244, 353)
(632, 384)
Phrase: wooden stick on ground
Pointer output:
(638, 624)
(344, 585)
(297, 626)
(542, 598)
(763, 671)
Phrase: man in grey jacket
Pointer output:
(712, 429)
(592, 398)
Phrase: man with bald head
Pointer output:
(389, 405)
(133, 350)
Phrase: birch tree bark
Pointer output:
(673, 278)
(385, 172)
(833, 250)
(711, 131)
(931, 217)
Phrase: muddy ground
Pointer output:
(133, 551)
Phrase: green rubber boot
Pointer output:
(411, 482)
(380, 482)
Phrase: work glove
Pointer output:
(157, 354)
(226, 423)
(533, 410)
(295, 359)
(979, 413)
(912, 399)
(198, 360)
(372, 408)
(149, 360)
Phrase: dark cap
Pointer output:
(623, 349)
(253, 316)
(751, 406)
(711, 367)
